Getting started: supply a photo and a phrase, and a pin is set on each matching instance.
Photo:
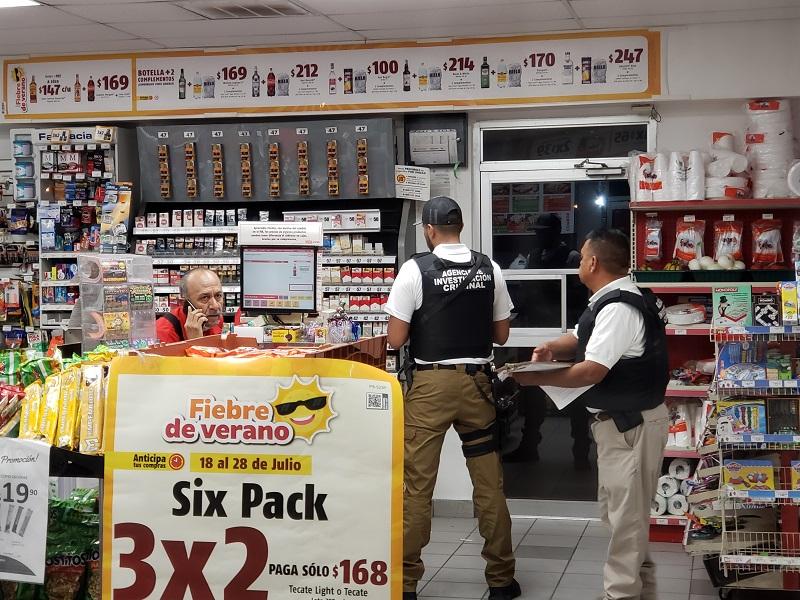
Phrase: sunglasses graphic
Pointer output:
(311, 404)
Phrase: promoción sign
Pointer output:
(236, 479)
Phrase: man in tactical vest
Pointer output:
(620, 354)
(452, 304)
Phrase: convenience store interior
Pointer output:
(715, 56)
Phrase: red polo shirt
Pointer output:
(166, 332)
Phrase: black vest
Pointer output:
(633, 384)
(462, 329)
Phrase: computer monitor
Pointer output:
(278, 280)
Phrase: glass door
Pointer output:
(533, 224)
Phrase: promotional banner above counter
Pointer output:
(482, 72)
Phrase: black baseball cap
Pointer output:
(441, 210)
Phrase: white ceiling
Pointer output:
(68, 26)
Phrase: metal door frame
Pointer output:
(536, 171)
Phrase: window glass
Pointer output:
(542, 225)
(551, 143)
(537, 303)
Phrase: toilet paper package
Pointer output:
(680, 469)
(658, 506)
(667, 486)
(677, 505)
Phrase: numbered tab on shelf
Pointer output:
(757, 437)
(775, 383)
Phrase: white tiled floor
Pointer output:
(556, 560)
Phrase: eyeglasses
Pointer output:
(311, 404)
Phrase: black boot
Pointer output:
(524, 453)
(507, 592)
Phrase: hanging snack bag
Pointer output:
(49, 408)
(767, 251)
(92, 405)
(689, 240)
(653, 244)
(728, 239)
(29, 418)
(68, 419)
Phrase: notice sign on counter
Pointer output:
(243, 478)
(519, 70)
(24, 485)
(412, 183)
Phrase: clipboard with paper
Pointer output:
(561, 396)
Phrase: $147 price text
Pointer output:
(188, 562)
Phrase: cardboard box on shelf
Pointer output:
(748, 474)
(732, 305)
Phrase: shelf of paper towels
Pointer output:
(767, 163)
(672, 490)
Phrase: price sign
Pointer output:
(540, 59)
(24, 487)
(232, 74)
(626, 55)
(461, 63)
(307, 70)
(240, 466)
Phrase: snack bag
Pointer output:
(653, 242)
(68, 418)
(767, 251)
(728, 239)
(92, 405)
(689, 240)
(29, 418)
(49, 408)
(796, 241)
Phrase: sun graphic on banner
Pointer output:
(306, 407)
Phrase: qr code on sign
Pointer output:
(377, 401)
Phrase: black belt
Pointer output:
(469, 369)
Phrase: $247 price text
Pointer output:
(188, 564)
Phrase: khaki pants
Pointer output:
(437, 400)
(628, 466)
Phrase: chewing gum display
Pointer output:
(689, 240)
(767, 249)
(69, 416)
(49, 408)
(653, 244)
(92, 409)
(788, 291)
(728, 239)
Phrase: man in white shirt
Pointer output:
(452, 304)
(619, 350)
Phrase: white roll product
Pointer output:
(695, 176)
(726, 187)
(722, 140)
(685, 489)
(659, 183)
(736, 163)
(667, 486)
(686, 314)
(680, 469)
(677, 505)
(658, 506)
(771, 183)
(793, 178)
(676, 176)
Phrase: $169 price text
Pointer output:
(187, 564)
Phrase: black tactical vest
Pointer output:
(463, 329)
(633, 384)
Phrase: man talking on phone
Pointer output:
(199, 314)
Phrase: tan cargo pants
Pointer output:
(437, 400)
(628, 466)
